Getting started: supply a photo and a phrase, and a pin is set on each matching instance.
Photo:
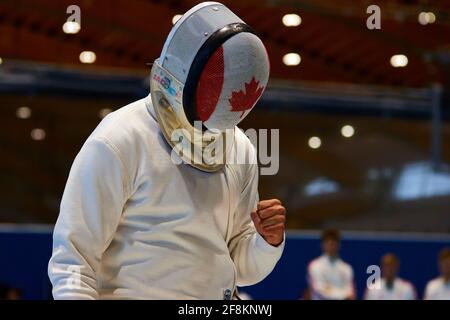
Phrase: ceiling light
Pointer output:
(423, 18)
(347, 131)
(431, 17)
(399, 61)
(291, 59)
(88, 57)
(71, 27)
(104, 112)
(176, 18)
(23, 112)
(314, 142)
(37, 134)
(291, 20)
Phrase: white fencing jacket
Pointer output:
(330, 279)
(400, 290)
(134, 225)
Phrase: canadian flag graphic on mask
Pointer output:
(232, 81)
(242, 101)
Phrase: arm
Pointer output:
(368, 294)
(410, 293)
(317, 282)
(428, 292)
(90, 211)
(253, 256)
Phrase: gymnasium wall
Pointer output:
(25, 250)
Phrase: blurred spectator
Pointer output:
(329, 277)
(390, 286)
(439, 288)
(306, 294)
(9, 293)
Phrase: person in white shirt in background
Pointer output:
(390, 286)
(329, 277)
(439, 288)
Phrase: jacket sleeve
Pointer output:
(253, 257)
(90, 211)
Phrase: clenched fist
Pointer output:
(269, 220)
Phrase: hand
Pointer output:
(269, 220)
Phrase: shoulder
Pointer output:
(129, 120)
(126, 126)
(242, 158)
(405, 283)
(433, 284)
(244, 146)
(345, 266)
(407, 286)
(315, 264)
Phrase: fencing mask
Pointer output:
(212, 70)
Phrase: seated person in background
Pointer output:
(391, 287)
(329, 277)
(10, 293)
(439, 288)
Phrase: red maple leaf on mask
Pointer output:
(243, 100)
